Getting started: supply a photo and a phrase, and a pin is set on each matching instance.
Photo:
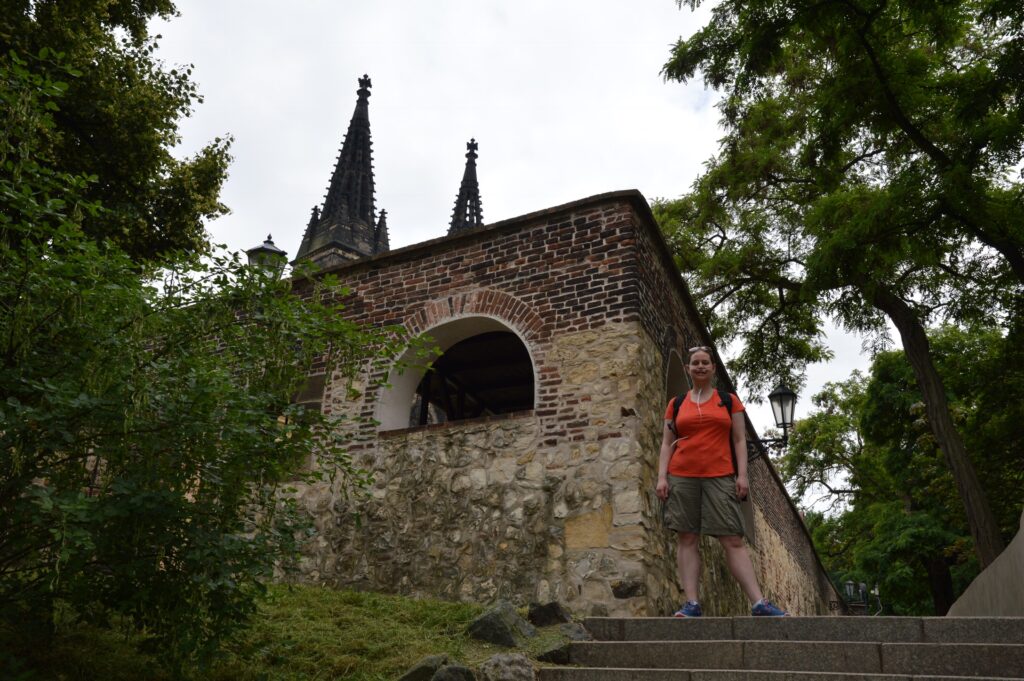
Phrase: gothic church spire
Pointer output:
(345, 228)
(380, 236)
(468, 213)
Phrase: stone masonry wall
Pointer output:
(558, 502)
(483, 509)
(787, 567)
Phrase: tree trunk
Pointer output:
(987, 540)
(940, 582)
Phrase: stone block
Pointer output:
(819, 656)
(973, 629)
(478, 478)
(506, 667)
(623, 519)
(589, 530)
(628, 538)
(953, 659)
(628, 502)
(659, 654)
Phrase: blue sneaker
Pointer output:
(689, 609)
(765, 608)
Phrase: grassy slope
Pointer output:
(301, 633)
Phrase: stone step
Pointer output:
(934, 659)
(862, 629)
(611, 674)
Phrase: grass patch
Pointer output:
(300, 633)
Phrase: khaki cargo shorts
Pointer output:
(703, 506)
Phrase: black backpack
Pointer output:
(726, 401)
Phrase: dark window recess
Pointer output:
(480, 376)
(311, 395)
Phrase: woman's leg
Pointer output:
(688, 563)
(738, 559)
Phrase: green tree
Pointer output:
(884, 526)
(985, 398)
(147, 433)
(118, 121)
(868, 174)
(867, 448)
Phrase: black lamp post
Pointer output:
(783, 402)
(268, 256)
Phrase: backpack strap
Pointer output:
(677, 402)
(726, 401)
(725, 398)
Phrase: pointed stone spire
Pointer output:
(468, 213)
(380, 235)
(311, 227)
(344, 229)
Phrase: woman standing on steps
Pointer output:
(700, 486)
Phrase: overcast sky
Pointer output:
(565, 99)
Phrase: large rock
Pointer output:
(558, 654)
(548, 614)
(425, 669)
(507, 667)
(502, 626)
(575, 631)
(454, 672)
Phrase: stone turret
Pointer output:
(345, 228)
(468, 213)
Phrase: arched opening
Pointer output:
(676, 382)
(490, 373)
(483, 369)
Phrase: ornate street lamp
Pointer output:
(783, 401)
(783, 407)
(268, 256)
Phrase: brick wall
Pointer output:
(777, 517)
(557, 503)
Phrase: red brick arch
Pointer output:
(486, 302)
(458, 315)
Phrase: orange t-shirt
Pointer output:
(703, 448)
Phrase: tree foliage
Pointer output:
(870, 174)
(147, 432)
(893, 517)
(118, 121)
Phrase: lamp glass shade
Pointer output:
(267, 255)
(783, 406)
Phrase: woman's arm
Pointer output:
(739, 443)
(668, 437)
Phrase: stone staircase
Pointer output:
(795, 649)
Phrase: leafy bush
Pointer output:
(147, 431)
